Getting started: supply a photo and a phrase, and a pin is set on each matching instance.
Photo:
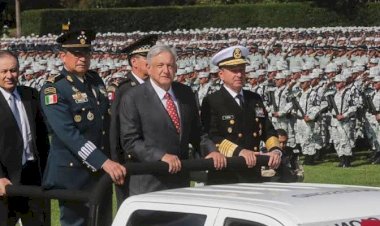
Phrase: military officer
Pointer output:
(76, 108)
(137, 53)
(204, 86)
(236, 119)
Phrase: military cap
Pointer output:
(252, 75)
(280, 76)
(376, 79)
(230, 56)
(340, 78)
(77, 41)
(141, 46)
(305, 79)
(203, 74)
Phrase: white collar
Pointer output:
(7, 94)
(233, 93)
(161, 92)
(137, 78)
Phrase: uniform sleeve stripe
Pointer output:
(91, 144)
(90, 147)
(85, 151)
(82, 155)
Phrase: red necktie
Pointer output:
(172, 111)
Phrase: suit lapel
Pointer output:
(4, 104)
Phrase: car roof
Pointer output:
(302, 203)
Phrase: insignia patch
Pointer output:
(260, 112)
(69, 78)
(227, 117)
(111, 96)
(80, 97)
(51, 99)
(77, 118)
(50, 90)
(237, 53)
(90, 116)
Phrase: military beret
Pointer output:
(141, 46)
(76, 41)
(234, 55)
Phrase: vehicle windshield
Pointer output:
(163, 218)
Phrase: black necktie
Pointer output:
(241, 100)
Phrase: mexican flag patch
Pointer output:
(51, 99)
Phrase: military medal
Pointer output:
(80, 97)
(69, 78)
(90, 116)
(77, 118)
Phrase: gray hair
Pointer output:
(7, 53)
(157, 49)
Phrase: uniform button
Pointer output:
(260, 126)
(240, 135)
(102, 147)
(217, 145)
(232, 121)
(257, 119)
(71, 164)
(103, 117)
(98, 103)
(229, 130)
(129, 156)
(255, 149)
(104, 132)
(254, 134)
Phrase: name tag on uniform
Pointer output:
(228, 117)
(80, 97)
(260, 112)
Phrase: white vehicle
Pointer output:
(271, 204)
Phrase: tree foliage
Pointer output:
(348, 8)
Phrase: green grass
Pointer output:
(327, 171)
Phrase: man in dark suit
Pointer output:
(76, 107)
(24, 146)
(236, 120)
(137, 52)
(158, 121)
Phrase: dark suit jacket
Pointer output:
(148, 132)
(11, 142)
(234, 128)
(11, 150)
(115, 146)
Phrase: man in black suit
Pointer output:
(137, 52)
(158, 120)
(23, 145)
(236, 120)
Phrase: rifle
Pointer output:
(369, 104)
(331, 102)
(297, 105)
(272, 100)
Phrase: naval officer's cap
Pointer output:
(231, 56)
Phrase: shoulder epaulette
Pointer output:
(54, 78)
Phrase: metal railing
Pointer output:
(94, 197)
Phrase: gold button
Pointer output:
(229, 130)
(83, 109)
(232, 121)
(260, 126)
(129, 156)
(98, 103)
(71, 164)
(257, 119)
(254, 134)
(255, 149)
(240, 135)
